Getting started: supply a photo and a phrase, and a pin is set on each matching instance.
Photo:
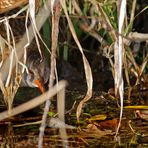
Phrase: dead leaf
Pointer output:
(109, 123)
(97, 117)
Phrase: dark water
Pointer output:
(27, 136)
(93, 133)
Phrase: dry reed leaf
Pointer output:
(33, 23)
(19, 47)
(16, 52)
(137, 107)
(61, 105)
(2, 48)
(118, 56)
(6, 5)
(143, 65)
(10, 91)
(2, 86)
(136, 70)
(88, 72)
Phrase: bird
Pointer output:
(37, 72)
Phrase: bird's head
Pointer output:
(37, 73)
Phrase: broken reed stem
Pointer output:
(34, 102)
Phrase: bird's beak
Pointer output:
(40, 85)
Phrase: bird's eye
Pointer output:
(30, 71)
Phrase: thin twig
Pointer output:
(55, 31)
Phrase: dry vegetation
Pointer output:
(108, 22)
